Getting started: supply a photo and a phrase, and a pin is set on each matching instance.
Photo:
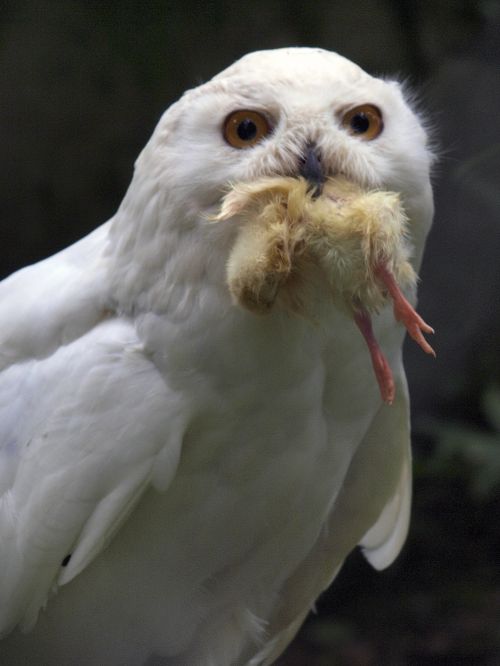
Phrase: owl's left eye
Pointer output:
(243, 129)
(364, 121)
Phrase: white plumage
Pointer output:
(179, 478)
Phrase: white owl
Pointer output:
(181, 478)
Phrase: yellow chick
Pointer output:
(356, 237)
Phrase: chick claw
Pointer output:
(404, 311)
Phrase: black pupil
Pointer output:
(247, 130)
(360, 123)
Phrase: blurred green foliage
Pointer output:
(471, 454)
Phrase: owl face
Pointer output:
(287, 112)
(264, 115)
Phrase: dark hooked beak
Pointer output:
(310, 168)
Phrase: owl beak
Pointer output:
(310, 168)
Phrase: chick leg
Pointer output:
(381, 367)
(259, 264)
(404, 311)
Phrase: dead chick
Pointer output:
(358, 238)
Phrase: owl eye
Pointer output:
(364, 121)
(243, 129)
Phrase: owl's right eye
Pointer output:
(244, 128)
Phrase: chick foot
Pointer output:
(381, 367)
(404, 311)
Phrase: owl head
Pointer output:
(292, 111)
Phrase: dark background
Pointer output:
(82, 85)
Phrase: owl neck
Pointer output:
(163, 254)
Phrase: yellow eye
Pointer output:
(243, 129)
(364, 121)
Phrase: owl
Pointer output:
(180, 475)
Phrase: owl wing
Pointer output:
(53, 301)
(85, 422)
(372, 509)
